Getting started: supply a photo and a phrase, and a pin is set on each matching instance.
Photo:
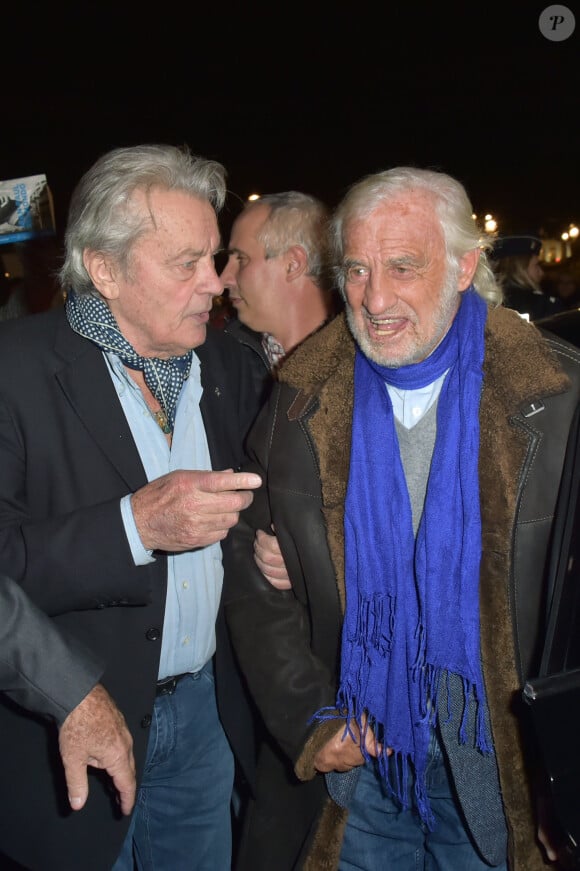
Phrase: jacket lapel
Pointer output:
(98, 407)
(217, 417)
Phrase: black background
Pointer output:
(309, 97)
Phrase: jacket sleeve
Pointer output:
(271, 630)
(40, 668)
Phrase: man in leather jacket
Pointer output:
(412, 452)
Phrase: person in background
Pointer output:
(516, 261)
(122, 418)
(567, 290)
(277, 277)
(34, 654)
(276, 284)
(397, 448)
(13, 303)
(34, 287)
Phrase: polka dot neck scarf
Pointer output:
(91, 317)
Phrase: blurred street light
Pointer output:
(490, 224)
(567, 237)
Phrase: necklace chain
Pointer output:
(161, 420)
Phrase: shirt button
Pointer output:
(186, 640)
(185, 585)
(146, 721)
(416, 411)
(153, 634)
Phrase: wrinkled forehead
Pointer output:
(157, 198)
(409, 218)
(159, 210)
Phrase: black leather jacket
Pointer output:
(288, 643)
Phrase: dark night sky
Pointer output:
(291, 97)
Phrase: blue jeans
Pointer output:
(380, 835)
(182, 819)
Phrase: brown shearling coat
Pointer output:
(301, 445)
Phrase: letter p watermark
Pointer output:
(557, 23)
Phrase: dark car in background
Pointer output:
(553, 698)
(565, 324)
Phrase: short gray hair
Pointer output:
(100, 216)
(452, 206)
(296, 218)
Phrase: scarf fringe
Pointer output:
(396, 768)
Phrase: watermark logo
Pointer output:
(557, 23)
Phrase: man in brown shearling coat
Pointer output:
(412, 454)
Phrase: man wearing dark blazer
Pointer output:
(118, 443)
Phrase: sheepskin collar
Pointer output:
(510, 341)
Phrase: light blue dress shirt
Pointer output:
(409, 406)
(194, 578)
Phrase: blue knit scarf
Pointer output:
(412, 607)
